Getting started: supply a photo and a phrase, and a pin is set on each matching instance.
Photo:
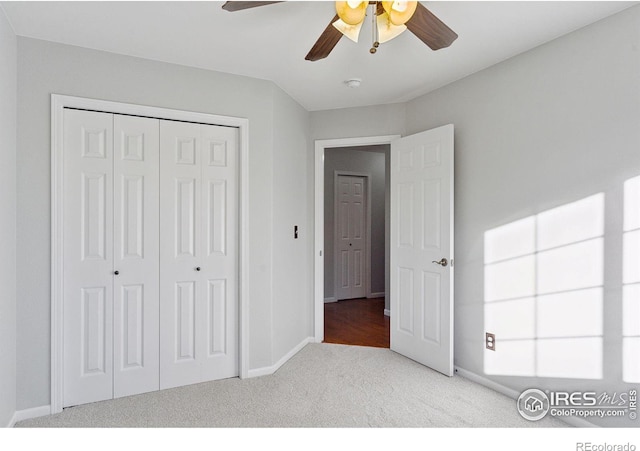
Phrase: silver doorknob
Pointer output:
(442, 262)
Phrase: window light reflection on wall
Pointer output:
(631, 282)
(544, 293)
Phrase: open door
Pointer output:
(422, 248)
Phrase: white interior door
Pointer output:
(111, 267)
(350, 192)
(136, 256)
(149, 295)
(88, 257)
(219, 219)
(198, 254)
(422, 248)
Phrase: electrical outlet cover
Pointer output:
(490, 341)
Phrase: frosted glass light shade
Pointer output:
(387, 30)
(399, 12)
(352, 13)
(350, 31)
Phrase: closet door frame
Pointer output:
(58, 104)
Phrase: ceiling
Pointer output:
(271, 42)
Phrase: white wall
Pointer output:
(8, 88)
(541, 130)
(369, 160)
(45, 68)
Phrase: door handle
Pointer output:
(442, 262)
(198, 268)
(116, 273)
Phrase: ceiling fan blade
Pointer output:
(238, 6)
(325, 43)
(430, 30)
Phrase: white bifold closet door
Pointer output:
(136, 303)
(111, 263)
(198, 253)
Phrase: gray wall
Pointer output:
(543, 129)
(292, 315)
(45, 68)
(366, 159)
(8, 73)
(378, 120)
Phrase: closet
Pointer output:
(150, 254)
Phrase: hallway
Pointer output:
(358, 322)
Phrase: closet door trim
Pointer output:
(58, 104)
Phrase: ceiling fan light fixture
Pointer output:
(399, 12)
(352, 12)
(387, 30)
(350, 31)
(397, 16)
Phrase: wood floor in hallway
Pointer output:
(358, 322)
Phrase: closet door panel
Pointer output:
(136, 255)
(181, 285)
(150, 254)
(88, 257)
(219, 216)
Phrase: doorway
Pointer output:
(356, 201)
(420, 243)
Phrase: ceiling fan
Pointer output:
(390, 19)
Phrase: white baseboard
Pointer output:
(266, 370)
(387, 312)
(331, 299)
(376, 295)
(579, 422)
(27, 414)
(511, 393)
(514, 394)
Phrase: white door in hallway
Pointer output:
(199, 253)
(422, 248)
(350, 192)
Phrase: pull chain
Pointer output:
(374, 28)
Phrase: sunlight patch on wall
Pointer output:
(631, 281)
(543, 293)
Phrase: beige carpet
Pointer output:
(324, 385)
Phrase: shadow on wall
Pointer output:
(543, 295)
